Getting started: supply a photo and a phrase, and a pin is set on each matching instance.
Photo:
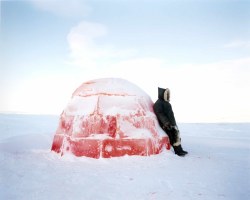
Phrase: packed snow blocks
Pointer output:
(109, 118)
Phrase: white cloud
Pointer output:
(86, 52)
(72, 8)
(81, 39)
(238, 44)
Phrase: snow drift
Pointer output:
(109, 118)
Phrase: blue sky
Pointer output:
(200, 49)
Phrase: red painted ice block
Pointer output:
(85, 147)
(57, 143)
(115, 148)
(143, 147)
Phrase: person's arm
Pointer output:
(169, 113)
(161, 115)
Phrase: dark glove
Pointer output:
(169, 127)
(166, 126)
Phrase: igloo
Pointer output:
(109, 117)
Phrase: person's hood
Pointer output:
(164, 94)
(161, 93)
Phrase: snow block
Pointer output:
(83, 147)
(109, 118)
(57, 143)
(112, 148)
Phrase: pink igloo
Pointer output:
(109, 117)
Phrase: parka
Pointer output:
(163, 109)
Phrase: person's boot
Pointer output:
(179, 151)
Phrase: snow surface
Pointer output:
(217, 166)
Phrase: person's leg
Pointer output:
(175, 141)
(171, 137)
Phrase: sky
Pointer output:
(198, 49)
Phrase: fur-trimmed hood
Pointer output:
(164, 94)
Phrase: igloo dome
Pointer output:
(109, 117)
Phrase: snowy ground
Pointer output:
(217, 167)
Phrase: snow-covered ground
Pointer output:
(217, 166)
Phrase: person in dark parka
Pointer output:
(165, 116)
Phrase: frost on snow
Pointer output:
(109, 118)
